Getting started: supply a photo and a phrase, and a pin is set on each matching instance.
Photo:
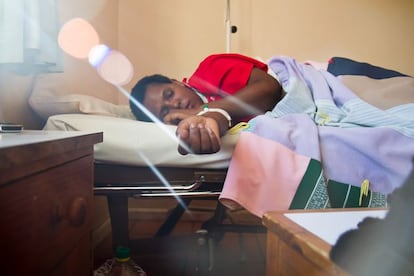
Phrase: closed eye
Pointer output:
(164, 111)
(167, 94)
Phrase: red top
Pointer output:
(220, 75)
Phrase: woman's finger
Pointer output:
(174, 118)
(199, 134)
(183, 135)
(194, 141)
(214, 141)
(208, 140)
(205, 140)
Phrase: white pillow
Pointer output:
(137, 143)
(48, 99)
(46, 106)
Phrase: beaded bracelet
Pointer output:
(223, 112)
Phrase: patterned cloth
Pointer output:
(319, 121)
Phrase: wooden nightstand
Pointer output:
(46, 202)
(299, 241)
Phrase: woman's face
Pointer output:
(160, 99)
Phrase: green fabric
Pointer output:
(311, 188)
(315, 192)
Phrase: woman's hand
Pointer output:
(200, 134)
(175, 116)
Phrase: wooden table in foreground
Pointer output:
(294, 250)
(46, 202)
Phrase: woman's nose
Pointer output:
(173, 103)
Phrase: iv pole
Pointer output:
(228, 27)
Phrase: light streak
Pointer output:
(163, 180)
(157, 121)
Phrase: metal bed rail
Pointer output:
(204, 183)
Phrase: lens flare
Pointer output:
(111, 65)
(77, 37)
(98, 54)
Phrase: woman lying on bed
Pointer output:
(224, 89)
(346, 130)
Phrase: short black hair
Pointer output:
(138, 93)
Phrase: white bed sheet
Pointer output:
(132, 142)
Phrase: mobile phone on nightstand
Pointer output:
(10, 128)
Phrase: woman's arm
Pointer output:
(261, 94)
(202, 133)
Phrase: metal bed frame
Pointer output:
(119, 182)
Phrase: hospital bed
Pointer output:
(140, 160)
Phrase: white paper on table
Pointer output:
(329, 226)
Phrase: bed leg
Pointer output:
(172, 219)
(118, 212)
(214, 224)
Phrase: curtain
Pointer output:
(28, 36)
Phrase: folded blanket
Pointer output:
(322, 124)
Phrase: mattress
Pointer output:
(137, 143)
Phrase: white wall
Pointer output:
(376, 31)
(171, 37)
